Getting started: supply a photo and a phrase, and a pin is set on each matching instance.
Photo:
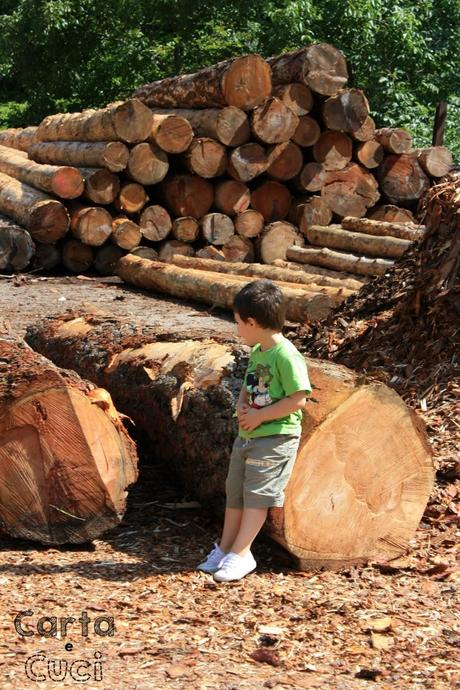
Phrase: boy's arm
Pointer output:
(252, 418)
(242, 402)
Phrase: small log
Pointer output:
(125, 233)
(297, 97)
(351, 191)
(249, 223)
(370, 153)
(346, 111)
(147, 164)
(394, 140)
(129, 121)
(366, 132)
(16, 246)
(65, 182)
(392, 214)
(272, 199)
(101, 185)
(188, 195)
(312, 177)
(107, 258)
(46, 257)
(186, 229)
(228, 125)
(217, 228)
(243, 82)
(232, 197)
(275, 240)
(210, 252)
(403, 231)
(286, 161)
(273, 122)
(436, 161)
(320, 66)
(131, 198)
(307, 131)
(339, 261)
(91, 225)
(247, 161)
(19, 138)
(172, 247)
(334, 237)
(238, 248)
(155, 223)
(323, 276)
(76, 256)
(314, 211)
(402, 179)
(171, 132)
(206, 157)
(112, 155)
(45, 218)
(145, 253)
(66, 460)
(334, 150)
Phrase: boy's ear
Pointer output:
(250, 321)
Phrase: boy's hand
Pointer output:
(250, 418)
(240, 409)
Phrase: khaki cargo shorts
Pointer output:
(259, 471)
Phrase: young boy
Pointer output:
(269, 411)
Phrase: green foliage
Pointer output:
(70, 54)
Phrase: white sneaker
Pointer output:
(234, 567)
(213, 560)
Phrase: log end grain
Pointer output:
(247, 82)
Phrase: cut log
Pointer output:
(232, 197)
(286, 161)
(206, 157)
(346, 111)
(402, 179)
(155, 223)
(394, 140)
(131, 198)
(129, 121)
(334, 150)
(297, 97)
(247, 161)
(45, 218)
(112, 155)
(188, 195)
(275, 240)
(339, 261)
(145, 253)
(370, 153)
(217, 228)
(376, 471)
(307, 131)
(212, 288)
(272, 199)
(66, 460)
(147, 164)
(314, 211)
(320, 66)
(228, 125)
(101, 185)
(172, 247)
(366, 132)
(91, 225)
(46, 257)
(324, 276)
(351, 191)
(66, 182)
(334, 237)
(273, 122)
(16, 246)
(239, 249)
(125, 233)
(210, 252)
(186, 229)
(403, 231)
(171, 132)
(19, 138)
(243, 82)
(76, 256)
(436, 161)
(107, 258)
(249, 223)
(392, 214)
(311, 178)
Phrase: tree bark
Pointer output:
(243, 82)
(101, 185)
(286, 161)
(129, 121)
(45, 218)
(172, 247)
(186, 229)
(19, 138)
(436, 161)
(107, 258)
(334, 237)
(155, 223)
(112, 155)
(272, 199)
(275, 240)
(402, 179)
(16, 246)
(273, 122)
(217, 228)
(125, 233)
(320, 66)
(370, 154)
(188, 195)
(323, 276)
(206, 157)
(171, 132)
(232, 197)
(296, 96)
(333, 150)
(351, 191)
(249, 223)
(392, 214)
(91, 225)
(396, 140)
(131, 198)
(339, 261)
(76, 256)
(228, 125)
(66, 461)
(239, 249)
(307, 131)
(346, 111)
(247, 161)
(403, 231)
(147, 164)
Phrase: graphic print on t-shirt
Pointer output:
(257, 384)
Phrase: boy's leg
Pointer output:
(231, 527)
(252, 520)
(234, 495)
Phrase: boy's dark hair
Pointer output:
(263, 301)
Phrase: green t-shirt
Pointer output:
(270, 376)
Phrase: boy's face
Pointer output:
(248, 330)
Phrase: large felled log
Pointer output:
(125, 233)
(211, 288)
(217, 228)
(297, 97)
(238, 249)
(392, 214)
(243, 82)
(155, 223)
(333, 150)
(323, 276)
(188, 195)
(76, 256)
(273, 122)
(320, 66)
(232, 197)
(147, 163)
(335, 237)
(91, 225)
(228, 125)
(346, 111)
(101, 185)
(206, 157)
(66, 460)
(404, 231)
(351, 191)
(249, 223)
(247, 161)
(66, 182)
(307, 131)
(339, 261)
(272, 199)
(16, 246)
(171, 132)
(436, 161)
(275, 240)
(402, 179)
(286, 161)
(19, 138)
(394, 140)
(129, 121)
(363, 457)
(112, 155)
(45, 218)
(131, 198)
